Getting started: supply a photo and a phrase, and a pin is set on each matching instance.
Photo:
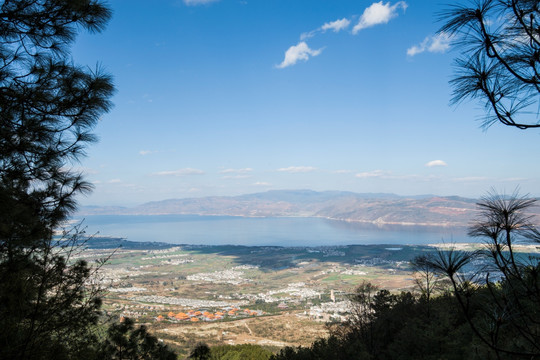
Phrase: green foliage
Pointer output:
(393, 326)
(200, 352)
(124, 341)
(46, 308)
(493, 320)
(501, 301)
(48, 106)
(49, 308)
(239, 352)
(488, 312)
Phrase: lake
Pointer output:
(223, 230)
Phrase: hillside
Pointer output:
(371, 208)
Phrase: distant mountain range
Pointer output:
(428, 210)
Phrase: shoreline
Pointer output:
(377, 222)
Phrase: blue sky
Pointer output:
(229, 97)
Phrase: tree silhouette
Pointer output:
(499, 63)
(48, 108)
(124, 341)
(500, 294)
(390, 326)
(200, 352)
(426, 279)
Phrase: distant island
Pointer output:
(426, 210)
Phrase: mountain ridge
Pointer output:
(377, 208)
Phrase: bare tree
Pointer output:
(499, 63)
(426, 279)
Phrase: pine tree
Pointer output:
(499, 43)
(500, 300)
(48, 108)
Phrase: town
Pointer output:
(261, 292)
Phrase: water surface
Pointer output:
(222, 230)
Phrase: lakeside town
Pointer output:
(191, 293)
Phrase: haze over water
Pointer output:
(223, 230)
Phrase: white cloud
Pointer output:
(262, 183)
(470, 179)
(416, 49)
(301, 51)
(341, 171)
(336, 26)
(297, 169)
(198, 2)
(180, 172)
(114, 181)
(434, 163)
(146, 152)
(515, 179)
(372, 174)
(236, 171)
(439, 43)
(378, 13)
(239, 176)
(388, 175)
(308, 35)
